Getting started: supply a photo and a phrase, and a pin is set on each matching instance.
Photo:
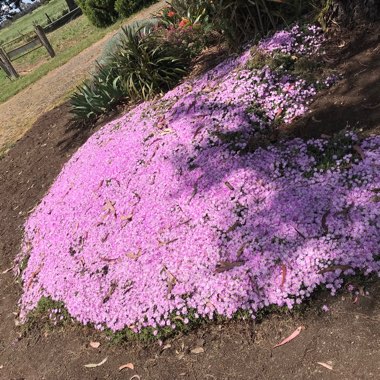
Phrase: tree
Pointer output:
(9, 8)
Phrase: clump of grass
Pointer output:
(334, 152)
(48, 314)
(304, 66)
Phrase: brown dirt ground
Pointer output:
(19, 113)
(347, 337)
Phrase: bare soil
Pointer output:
(347, 337)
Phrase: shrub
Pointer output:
(128, 7)
(241, 20)
(113, 44)
(189, 40)
(98, 95)
(101, 13)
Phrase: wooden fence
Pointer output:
(20, 46)
(63, 20)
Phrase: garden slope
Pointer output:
(348, 336)
(174, 213)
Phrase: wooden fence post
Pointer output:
(44, 40)
(7, 64)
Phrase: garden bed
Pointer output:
(347, 335)
(182, 210)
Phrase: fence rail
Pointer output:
(23, 49)
(35, 40)
(63, 20)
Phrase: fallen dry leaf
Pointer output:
(109, 207)
(229, 185)
(224, 266)
(290, 337)
(324, 222)
(166, 347)
(328, 366)
(134, 256)
(7, 270)
(359, 150)
(278, 113)
(283, 269)
(333, 268)
(197, 350)
(129, 365)
(94, 365)
(95, 344)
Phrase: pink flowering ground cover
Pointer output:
(168, 215)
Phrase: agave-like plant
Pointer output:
(147, 66)
(98, 95)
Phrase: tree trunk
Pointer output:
(71, 4)
(351, 12)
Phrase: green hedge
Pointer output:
(103, 13)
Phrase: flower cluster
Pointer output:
(164, 213)
(305, 41)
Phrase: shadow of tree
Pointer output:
(302, 224)
(353, 101)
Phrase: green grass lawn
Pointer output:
(24, 25)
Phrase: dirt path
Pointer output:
(346, 337)
(19, 113)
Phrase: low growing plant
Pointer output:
(147, 66)
(98, 95)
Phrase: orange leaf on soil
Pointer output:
(129, 365)
(94, 365)
(328, 366)
(290, 337)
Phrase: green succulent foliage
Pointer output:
(113, 44)
(98, 95)
(101, 13)
(147, 66)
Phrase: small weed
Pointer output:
(336, 152)
(24, 263)
(48, 314)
